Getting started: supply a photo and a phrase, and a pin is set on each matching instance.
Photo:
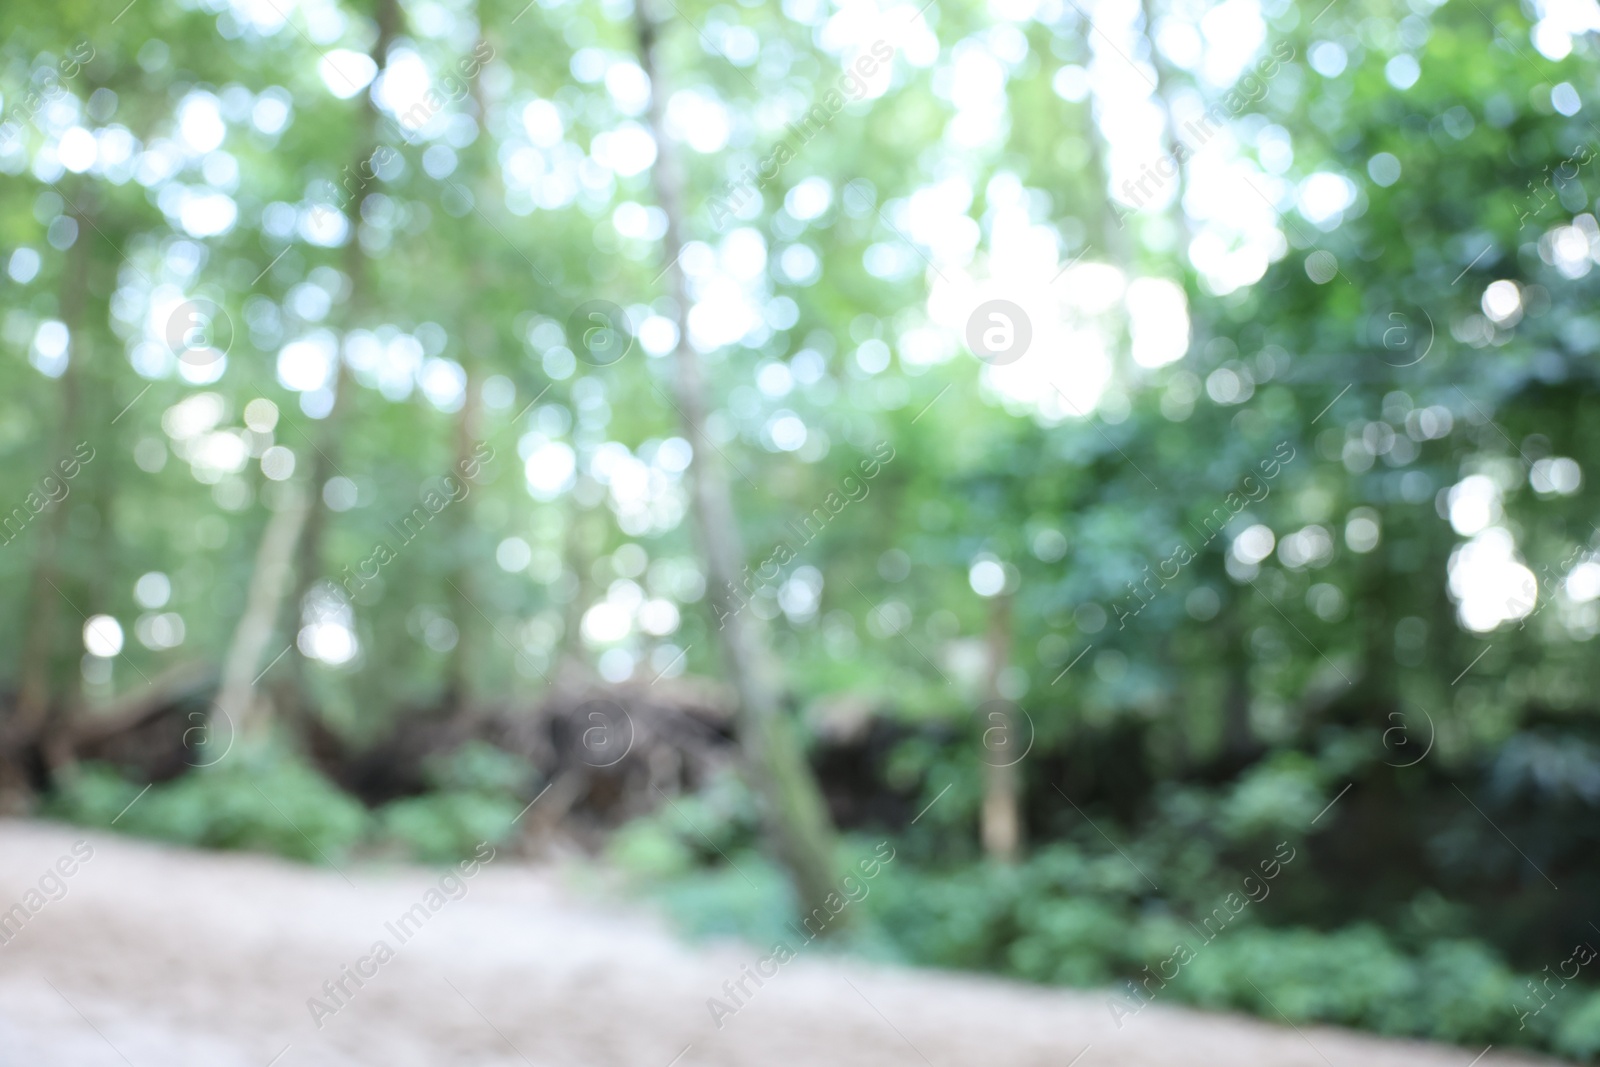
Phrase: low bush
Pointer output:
(267, 801)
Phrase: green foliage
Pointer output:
(695, 859)
(270, 803)
(719, 820)
(1579, 1034)
(745, 895)
(1054, 919)
(475, 794)
(751, 902)
(479, 767)
(697, 855)
(650, 850)
(1070, 942)
(1217, 707)
(1275, 797)
(446, 826)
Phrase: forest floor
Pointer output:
(161, 957)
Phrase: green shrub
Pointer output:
(1466, 991)
(750, 900)
(1070, 942)
(266, 800)
(477, 793)
(1069, 917)
(445, 827)
(1578, 1035)
(1277, 797)
(648, 850)
(1350, 977)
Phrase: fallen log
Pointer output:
(156, 730)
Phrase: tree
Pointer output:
(793, 806)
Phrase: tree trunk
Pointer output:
(309, 552)
(578, 551)
(1163, 98)
(457, 681)
(479, 337)
(30, 718)
(1002, 815)
(793, 807)
(1116, 240)
(272, 577)
(1238, 734)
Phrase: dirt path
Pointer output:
(158, 957)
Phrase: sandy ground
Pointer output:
(158, 957)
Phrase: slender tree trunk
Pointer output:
(309, 553)
(577, 551)
(1116, 236)
(31, 717)
(1162, 93)
(458, 682)
(241, 712)
(793, 807)
(1238, 735)
(1002, 814)
(479, 336)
